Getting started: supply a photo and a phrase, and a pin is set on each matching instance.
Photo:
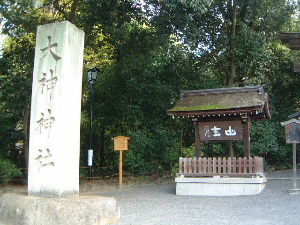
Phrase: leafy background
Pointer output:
(147, 52)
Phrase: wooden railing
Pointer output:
(238, 167)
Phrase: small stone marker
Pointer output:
(54, 148)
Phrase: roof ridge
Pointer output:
(258, 88)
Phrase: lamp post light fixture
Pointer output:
(92, 77)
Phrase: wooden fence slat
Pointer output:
(236, 165)
(195, 165)
(204, 165)
(214, 165)
(259, 165)
(255, 170)
(200, 165)
(245, 165)
(240, 165)
(209, 165)
(224, 165)
(233, 165)
(250, 166)
(180, 165)
(220, 165)
(186, 165)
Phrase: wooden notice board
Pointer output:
(121, 143)
(292, 133)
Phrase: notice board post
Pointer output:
(292, 134)
(121, 144)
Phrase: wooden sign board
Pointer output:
(221, 131)
(121, 143)
(292, 133)
(296, 67)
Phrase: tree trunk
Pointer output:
(26, 120)
(101, 147)
(73, 11)
(232, 59)
(232, 46)
(231, 151)
(197, 141)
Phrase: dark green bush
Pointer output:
(8, 171)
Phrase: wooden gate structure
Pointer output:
(222, 115)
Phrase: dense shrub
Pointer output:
(8, 171)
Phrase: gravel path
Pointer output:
(158, 205)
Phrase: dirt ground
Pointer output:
(154, 202)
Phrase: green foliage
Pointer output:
(195, 5)
(8, 171)
(175, 169)
(171, 153)
(264, 137)
(147, 52)
(281, 159)
(211, 149)
(188, 152)
(16, 66)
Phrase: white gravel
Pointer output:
(157, 204)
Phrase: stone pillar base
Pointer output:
(217, 186)
(17, 209)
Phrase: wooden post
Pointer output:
(156, 168)
(292, 133)
(121, 170)
(247, 137)
(197, 141)
(230, 146)
(294, 166)
(121, 144)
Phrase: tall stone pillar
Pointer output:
(54, 146)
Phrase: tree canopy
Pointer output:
(147, 52)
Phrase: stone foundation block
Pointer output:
(217, 186)
(18, 209)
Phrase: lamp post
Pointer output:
(92, 77)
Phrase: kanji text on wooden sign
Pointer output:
(221, 131)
